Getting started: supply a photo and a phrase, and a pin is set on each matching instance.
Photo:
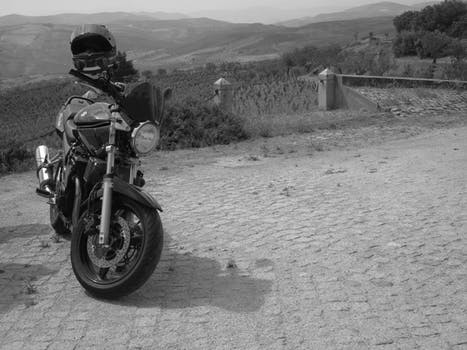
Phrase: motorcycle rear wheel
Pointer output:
(136, 239)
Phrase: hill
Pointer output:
(253, 14)
(77, 18)
(42, 48)
(380, 9)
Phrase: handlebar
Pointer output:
(102, 84)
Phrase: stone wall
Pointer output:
(417, 96)
(407, 101)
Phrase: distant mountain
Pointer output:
(421, 5)
(79, 18)
(380, 9)
(257, 14)
(43, 48)
(163, 15)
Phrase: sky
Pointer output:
(49, 7)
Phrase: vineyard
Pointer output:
(254, 95)
(28, 113)
(281, 97)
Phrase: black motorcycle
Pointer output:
(94, 187)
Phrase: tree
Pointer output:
(433, 45)
(383, 62)
(358, 63)
(456, 50)
(405, 21)
(161, 72)
(147, 74)
(404, 44)
(441, 17)
(459, 28)
(124, 71)
(210, 67)
(448, 12)
(311, 57)
(430, 32)
(288, 61)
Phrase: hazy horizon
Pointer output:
(53, 7)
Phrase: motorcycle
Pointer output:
(94, 187)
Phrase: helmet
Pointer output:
(93, 48)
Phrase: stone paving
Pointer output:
(363, 248)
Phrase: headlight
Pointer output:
(145, 138)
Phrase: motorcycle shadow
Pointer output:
(183, 280)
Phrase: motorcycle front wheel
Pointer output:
(135, 246)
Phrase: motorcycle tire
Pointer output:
(98, 280)
(57, 222)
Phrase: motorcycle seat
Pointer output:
(69, 127)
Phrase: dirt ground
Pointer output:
(350, 237)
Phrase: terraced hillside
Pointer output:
(42, 48)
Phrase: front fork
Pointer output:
(107, 186)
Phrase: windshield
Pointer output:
(139, 102)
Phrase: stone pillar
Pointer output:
(223, 95)
(327, 90)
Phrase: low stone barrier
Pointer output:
(399, 95)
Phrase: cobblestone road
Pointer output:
(362, 248)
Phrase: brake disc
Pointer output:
(123, 233)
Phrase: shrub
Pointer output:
(15, 158)
(161, 72)
(457, 70)
(194, 124)
(311, 57)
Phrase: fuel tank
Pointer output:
(97, 113)
(92, 125)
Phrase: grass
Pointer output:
(200, 126)
(29, 287)
(16, 157)
(195, 124)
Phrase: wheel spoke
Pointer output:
(136, 240)
(126, 241)
(119, 212)
(103, 272)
